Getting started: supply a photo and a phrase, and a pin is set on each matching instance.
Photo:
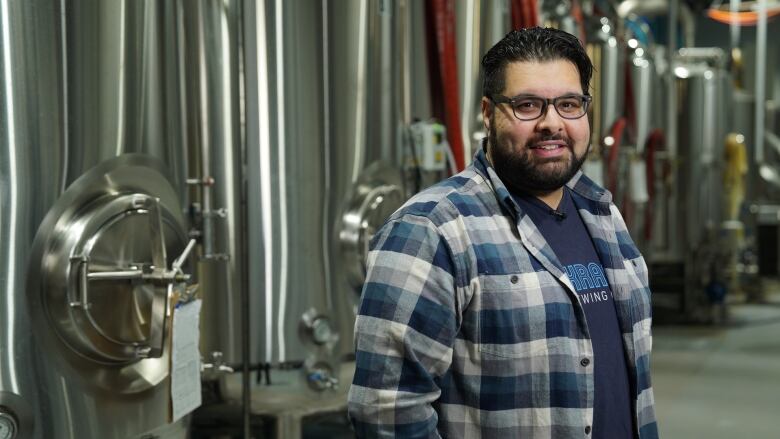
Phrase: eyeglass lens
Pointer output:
(531, 107)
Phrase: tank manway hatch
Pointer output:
(376, 194)
(107, 270)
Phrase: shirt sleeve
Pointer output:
(404, 331)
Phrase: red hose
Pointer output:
(524, 14)
(444, 26)
(579, 18)
(616, 132)
(518, 14)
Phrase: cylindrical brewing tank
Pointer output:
(122, 84)
(607, 53)
(323, 146)
(32, 157)
(703, 112)
(209, 50)
(495, 22)
(289, 191)
(84, 84)
(645, 81)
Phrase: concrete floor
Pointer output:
(720, 382)
(713, 382)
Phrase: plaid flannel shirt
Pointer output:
(468, 325)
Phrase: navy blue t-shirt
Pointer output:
(569, 238)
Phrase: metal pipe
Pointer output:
(671, 86)
(644, 7)
(65, 100)
(468, 72)
(734, 25)
(760, 80)
(405, 58)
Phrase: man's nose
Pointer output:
(550, 120)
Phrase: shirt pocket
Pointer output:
(522, 315)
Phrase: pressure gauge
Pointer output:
(7, 426)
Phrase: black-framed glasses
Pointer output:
(530, 107)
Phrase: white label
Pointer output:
(639, 182)
(185, 359)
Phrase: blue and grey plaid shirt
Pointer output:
(469, 326)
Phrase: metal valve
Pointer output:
(217, 365)
(320, 378)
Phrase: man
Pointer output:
(509, 301)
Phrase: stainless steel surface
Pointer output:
(91, 263)
(284, 144)
(110, 354)
(329, 89)
(468, 17)
(643, 7)
(374, 197)
(295, 245)
(703, 109)
(30, 182)
(495, 22)
(123, 84)
(760, 85)
(83, 82)
(645, 81)
(607, 53)
(89, 226)
(671, 83)
(770, 175)
(210, 78)
(8, 425)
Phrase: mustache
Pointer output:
(542, 138)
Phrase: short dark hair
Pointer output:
(533, 44)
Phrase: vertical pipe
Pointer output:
(469, 51)
(246, 400)
(760, 81)
(671, 87)
(406, 55)
(64, 106)
(282, 177)
(203, 122)
(673, 231)
(326, 144)
(734, 25)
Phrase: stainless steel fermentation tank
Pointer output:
(607, 53)
(323, 146)
(330, 91)
(104, 120)
(687, 248)
(280, 148)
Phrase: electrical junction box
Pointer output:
(430, 144)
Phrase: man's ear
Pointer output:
(487, 112)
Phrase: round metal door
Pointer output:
(374, 197)
(106, 277)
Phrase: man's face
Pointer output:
(536, 156)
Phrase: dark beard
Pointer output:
(520, 174)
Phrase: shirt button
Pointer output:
(585, 362)
(587, 429)
(513, 279)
